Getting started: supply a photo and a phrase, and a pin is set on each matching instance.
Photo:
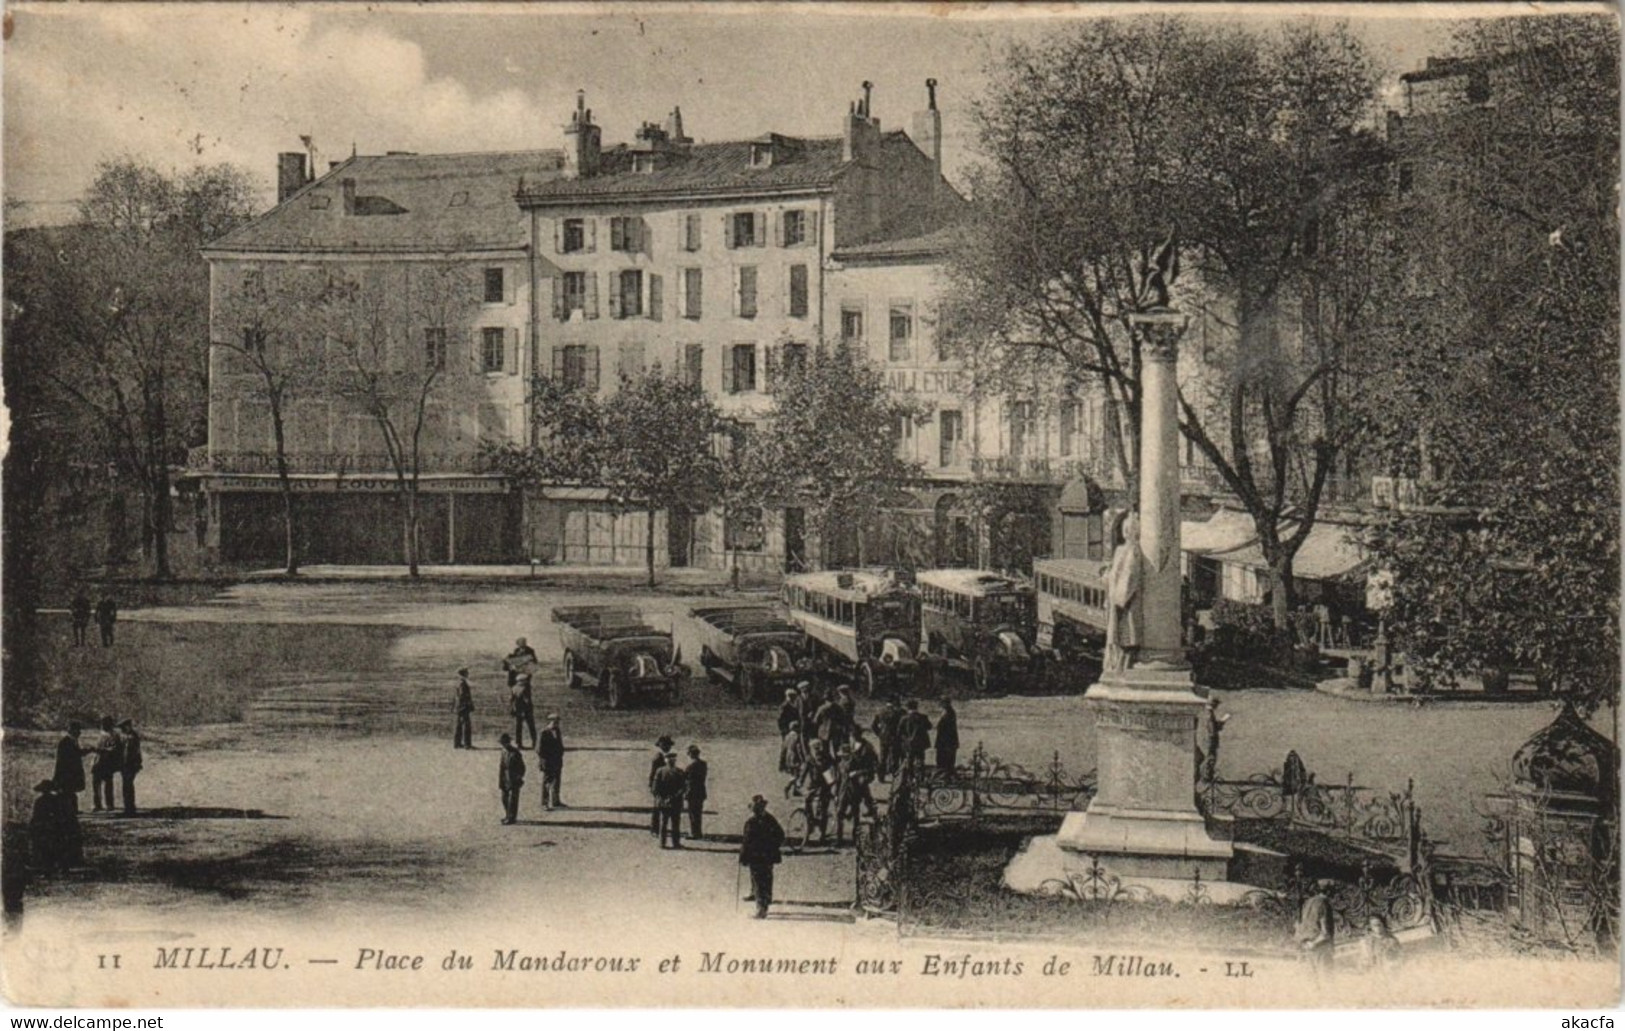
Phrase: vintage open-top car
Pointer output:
(616, 651)
(979, 623)
(750, 646)
(864, 624)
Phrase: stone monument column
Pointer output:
(1143, 821)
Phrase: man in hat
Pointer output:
(914, 735)
(830, 722)
(662, 745)
(79, 608)
(109, 751)
(69, 775)
(669, 784)
(131, 763)
(885, 727)
(695, 774)
(521, 660)
(790, 711)
(759, 853)
(510, 778)
(106, 616)
(947, 736)
(523, 706)
(550, 754)
(463, 735)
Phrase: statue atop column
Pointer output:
(1125, 625)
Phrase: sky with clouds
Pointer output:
(178, 85)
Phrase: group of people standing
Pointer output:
(55, 837)
(106, 613)
(674, 789)
(511, 769)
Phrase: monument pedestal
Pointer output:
(1143, 820)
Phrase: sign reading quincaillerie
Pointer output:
(357, 484)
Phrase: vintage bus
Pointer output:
(1072, 607)
(978, 623)
(861, 624)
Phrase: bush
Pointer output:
(1245, 631)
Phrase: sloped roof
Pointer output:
(444, 201)
(929, 244)
(811, 163)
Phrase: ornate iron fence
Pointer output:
(987, 786)
(1388, 821)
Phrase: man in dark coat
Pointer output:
(523, 705)
(106, 616)
(521, 660)
(662, 746)
(830, 722)
(462, 736)
(54, 839)
(947, 736)
(109, 750)
(131, 765)
(759, 853)
(510, 778)
(550, 754)
(790, 711)
(849, 711)
(69, 776)
(885, 728)
(696, 773)
(669, 785)
(79, 608)
(914, 735)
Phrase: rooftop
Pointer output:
(404, 203)
(812, 163)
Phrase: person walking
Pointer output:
(523, 705)
(109, 751)
(462, 736)
(696, 773)
(662, 745)
(518, 662)
(914, 735)
(510, 778)
(79, 609)
(885, 728)
(69, 775)
(131, 763)
(669, 785)
(550, 755)
(106, 616)
(947, 736)
(759, 852)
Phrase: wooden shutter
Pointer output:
(738, 291)
(784, 229)
(591, 381)
(616, 306)
(728, 231)
(513, 350)
(558, 365)
(811, 228)
(657, 292)
(558, 298)
(592, 294)
(730, 370)
(558, 236)
(691, 232)
(510, 285)
(639, 231)
(770, 368)
(761, 229)
(591, 234)
(694, 362)
(617, 234)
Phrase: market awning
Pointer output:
(1331, 553)
(1225, 530)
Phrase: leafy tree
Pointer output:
(383, 363)
(651, 445)
(1101, 142)
(833, 442)
(1499, 382)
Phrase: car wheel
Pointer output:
(572, 680)
(982, 675)
(866, 679)
(613, 690)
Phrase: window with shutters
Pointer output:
(694, 364)
(851, 325)
(573, 296)
(747, 292)
(693, 293)
(629, 294)
(573, 366)
(254, 340)
(691, 232)
(1068, 427)
(625, 233)
(795, 228)
(1022, 425)
(434, 348)
(902, 333)
(793, 358)
(574, 238)
(493, 286)
(742, 369)
(493, 349)
(951, 436)
(745, 229)
(798, 291)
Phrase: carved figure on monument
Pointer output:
(1125, 628)
(1159, 270)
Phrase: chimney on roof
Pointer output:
(291, 174)
(583, 142)
(860, 135)
(347, 187)
(674, 130)
(928, 137)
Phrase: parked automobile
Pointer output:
(751, 647)
(1072, 608)
(615, 651)
(861, 624)
(978, 623)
